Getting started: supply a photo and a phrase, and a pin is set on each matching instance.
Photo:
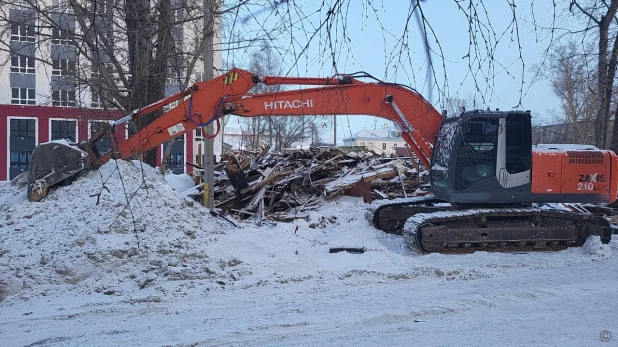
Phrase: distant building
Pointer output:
(582, 132)
(381, 141)
(43, 93)
(234, 137)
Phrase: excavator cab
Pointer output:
(483, 157)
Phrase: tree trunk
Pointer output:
(156, 85)
(606, 77)
(148, 70)
(138, 32)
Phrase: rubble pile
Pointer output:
(281, 186)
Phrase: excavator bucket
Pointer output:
(57, 162)
(53, 163)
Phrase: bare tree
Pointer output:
(263, 62)
(601, 16)
(455, 105)
(278, 131)
(568, 73)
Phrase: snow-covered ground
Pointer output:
(82, 269)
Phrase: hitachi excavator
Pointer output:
(488, 185)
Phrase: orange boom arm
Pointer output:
(340, 95)
(418, 120)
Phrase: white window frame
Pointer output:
(66, 102)
(21, 64)
(65, 119)
(22, 32)
(63, 67)
(98, 103)
(184, 151)
(8, 139)
(178, 15)
(196, 137)
(62, 6)
(102, 6)
(62, 37)
(173, 76)
(23, 99)
(90, 121)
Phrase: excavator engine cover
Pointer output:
(51, 164)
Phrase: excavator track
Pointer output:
(504, 230)
(392, 216)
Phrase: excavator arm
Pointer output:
(205, 102)
(418, 120)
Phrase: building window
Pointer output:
(62, 37)
(104, 144)
(100, 98)
(173, 77)
(176, 161)
(21, 4)
(102, 6)
(22, 32)
(20, 158)
(96, 99)
(384, 146)
(22, 64)
(176, 158)
(62, 6)
(63, 67)
(22, 128)
(63, 129)
(22, 96)
(63, 98)
(178, 15)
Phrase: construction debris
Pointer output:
(268, 185)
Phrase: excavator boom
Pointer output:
(417, 119)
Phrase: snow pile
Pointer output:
(118, 229)
(125, 232)
(593, 245)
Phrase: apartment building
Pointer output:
(46, 89)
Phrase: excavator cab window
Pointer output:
(518, 143)
(477, 154)
(442, 152)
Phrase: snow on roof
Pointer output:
(565, 147)
(377, 133)
(232, 130)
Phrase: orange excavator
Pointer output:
(488, 186)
